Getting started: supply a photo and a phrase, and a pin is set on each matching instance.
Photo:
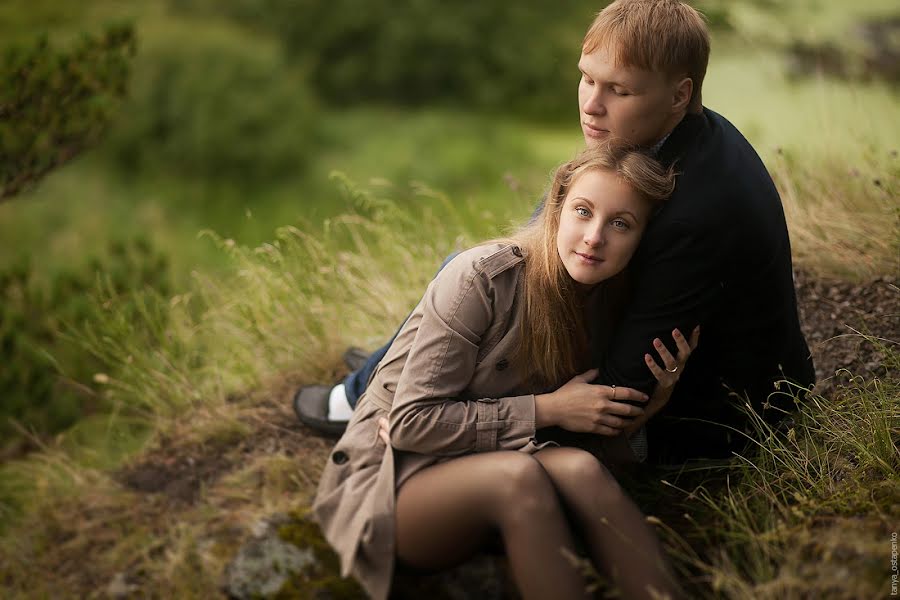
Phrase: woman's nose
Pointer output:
(594, 237)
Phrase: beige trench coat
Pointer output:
(450, 388)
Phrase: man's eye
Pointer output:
(587, 79)
(619, 92)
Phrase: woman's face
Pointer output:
(600, 226)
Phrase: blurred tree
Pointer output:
(496, 56)
(214, 104)
(55, 104)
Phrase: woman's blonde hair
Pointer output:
(554, 341)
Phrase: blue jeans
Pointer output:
(355, 383)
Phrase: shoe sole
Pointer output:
(318, 424)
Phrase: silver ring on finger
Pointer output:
(672, 370)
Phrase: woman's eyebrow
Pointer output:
(586, 200)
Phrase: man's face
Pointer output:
(600, 226)
(626, 102)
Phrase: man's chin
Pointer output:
(592, 138)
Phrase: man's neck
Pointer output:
(655, 147)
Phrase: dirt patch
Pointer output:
(177, 472)
(181, 470)
(834, 313)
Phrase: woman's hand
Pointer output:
(667, 375)
(383, 431)
(584, 407)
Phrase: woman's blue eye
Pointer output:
(620, 224)
(583, 211)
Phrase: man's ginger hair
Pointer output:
(665, 36)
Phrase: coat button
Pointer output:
(501, 366)
(339, 457)
(517, 251)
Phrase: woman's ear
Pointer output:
(681, 97)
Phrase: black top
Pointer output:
(716, 254)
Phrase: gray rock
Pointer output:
(268, 565)
(263, 565)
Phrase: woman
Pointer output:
(473, 375)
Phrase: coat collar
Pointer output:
(681, 137)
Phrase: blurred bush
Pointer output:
(500, 56)
(208, 103)
(54, 104)
(46, 375)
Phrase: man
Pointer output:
(717, 254)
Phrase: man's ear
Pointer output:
(681, 97)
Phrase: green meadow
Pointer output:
(263, 197)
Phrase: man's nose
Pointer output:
(594, 104)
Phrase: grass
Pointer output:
(809, 510)
(210, 389)
(203, 390)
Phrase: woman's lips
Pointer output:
(589, 259)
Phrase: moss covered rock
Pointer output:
(289, 559)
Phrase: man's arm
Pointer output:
(675, 285)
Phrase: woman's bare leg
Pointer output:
(445, 512)
(621, 542)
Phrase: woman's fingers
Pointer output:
(666, 356)
(661, 376)
(617, 394)
(383, 426)
(621, 409)
(614, 421)
(684, 348)
(606, 430)
(695, 337)
(587, 376)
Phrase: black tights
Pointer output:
(446, 512)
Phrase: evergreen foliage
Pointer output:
(54, 104)
(43, 383)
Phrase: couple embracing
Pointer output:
(535, 363)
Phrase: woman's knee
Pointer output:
(578, 472)
(523, 487)
(577, 466)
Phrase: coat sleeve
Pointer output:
(430, 413)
